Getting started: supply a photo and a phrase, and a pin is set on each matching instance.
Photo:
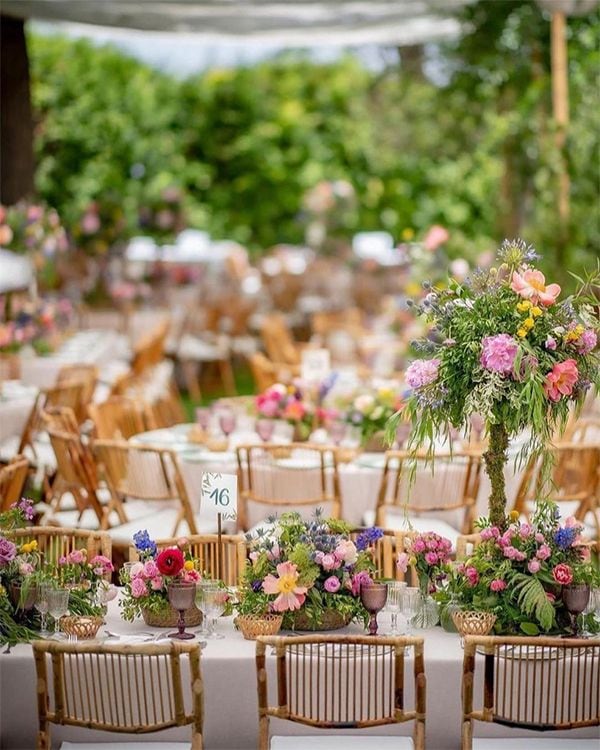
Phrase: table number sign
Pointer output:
(219, 495)
(316, 365)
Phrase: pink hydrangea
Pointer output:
(497, 585)
(332, 584)
(138, 588)
(498, 353)
(561, 380)
(422, 372)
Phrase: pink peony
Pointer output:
(329, 562)
(419, 546)
(497, 585)
(431, 558)
(402, 561)
(358, 580)
(543, 552)
(561, 380)
(472, 575)
(102, 565)
(422, 372)
(138, 588)
(332, 584)
(531, 285)
(562, 574)
(346, 552)
(150, 569)
(533, 566)
(498, 353)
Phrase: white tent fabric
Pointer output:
(299, 22)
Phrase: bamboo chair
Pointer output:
(85, 374)
(64, 395)
(263, 371)
(386, 550)
(76, 473)
(167, 409)
(137, 688)
(465, 544)
(278, 340)
(230, 557)
(149, 351)
(455, 488)
(265, 479)
(352, 682)
(532, 683)
(575, 480)
(56, 542)
(142, 472)
(60, 418)
(12, 480)
(117, 418)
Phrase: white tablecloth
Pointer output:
(229, 675)
(13, 415)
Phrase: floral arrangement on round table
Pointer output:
(289, 404)
(23, 568)
(309, 571)
(521, 574)
(370, 411)
(34, 323)
(508, 350)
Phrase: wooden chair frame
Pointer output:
(565, 652)
(230, 557)
(12, 480)
(87, 375)
(290, 650)
(158, 704)
(327, 462)
(111, 466)
(55, 542)
(119, 417)
(397, 462)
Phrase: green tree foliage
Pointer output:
(475, 153)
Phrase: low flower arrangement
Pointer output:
(37, 324)
(370, 411)
(287, 403)
(145, 584)
(429, 555)
(505, 347)
(23, 568)
(519, 574)
(310, 569)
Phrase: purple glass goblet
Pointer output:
(181, 597)
(337, 430)
(203, 414)
(265, 429)
(373, 596)
(227, 422)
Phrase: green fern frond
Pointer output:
(532, 599)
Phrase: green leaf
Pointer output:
(530, 628)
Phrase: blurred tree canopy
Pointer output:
(470, 146)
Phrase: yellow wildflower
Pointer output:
(188, 565)
(408, 234)
(521, 333)
(524, 306)
(2, 590)
(528, 323)
(514, 515)
(535, 312)
(29, 546)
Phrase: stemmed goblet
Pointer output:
(227, 422)
(337, 430)
(215, 599)
(203, 414)
(58, 605)
(181, 597)
(373, 596)
(411, 601)
(265, 429)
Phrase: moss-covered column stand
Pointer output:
(495, 459)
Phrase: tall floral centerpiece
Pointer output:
(503, 346)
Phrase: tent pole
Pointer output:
(560, 110)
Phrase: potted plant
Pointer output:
(505, 347)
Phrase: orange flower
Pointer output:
(532, 286)
(561, 380)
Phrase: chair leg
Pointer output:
(190, 375)
(226, 373)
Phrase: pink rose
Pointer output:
(490, 532)
(539, 538)
(136, 570)
(543, 552)
(358, 580)
(332, 584)
(402, 561)
(183, 542)
(562, 574)
(156, 583)
(497, 585)
(329, 562)
(431, 558)
(138, 588)
(419, 546)
(346, 552)
(561, 380)
(525, 530)
(26, 569)
(77, 556)
(533, 566)
(472, 575)
(531, 285)
(150, 569)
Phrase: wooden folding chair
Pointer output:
(141, 472)
(117, 418)
(225, 563)
(137, 688)
(532, 683)
(12, 480)
(286, 478)
(85, 374)
(55, 542)
(454, 487)
(341, 682)
(149, 351)
(278, 340)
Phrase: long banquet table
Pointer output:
(229, 677)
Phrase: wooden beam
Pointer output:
(16, 124)
(560, 109)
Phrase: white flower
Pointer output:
(377, 413)
(364, 403)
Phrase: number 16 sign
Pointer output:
(219, 495)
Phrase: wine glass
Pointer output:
(215, 599)
(41, 604)
(58, 605)
(402, 433)
(576, 599)
(411, 601)
(227, 422)
(373, 596)
(337, 431)
(394, 602)
(181, 597)
(265, 429)
(203, 414)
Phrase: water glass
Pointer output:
(411, 601)
(265, 429)
(58, 605)
(215, 599)
(41, 604)
(394, 602)
(205, 583)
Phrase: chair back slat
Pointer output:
(55, 542)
